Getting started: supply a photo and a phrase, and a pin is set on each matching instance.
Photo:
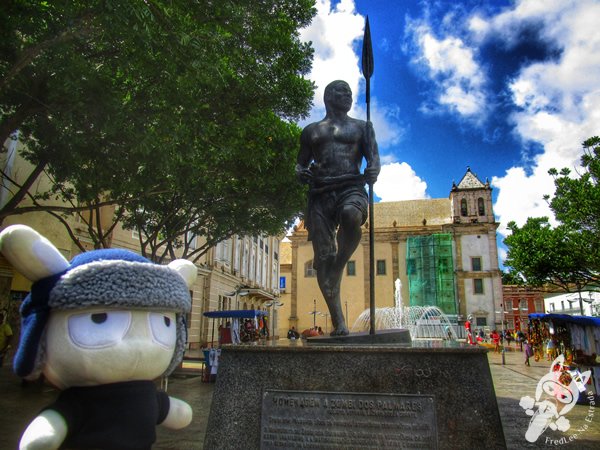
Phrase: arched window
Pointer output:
(308, 269)
(463, 207)
(481, 206)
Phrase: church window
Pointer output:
(477, 286)
(463, 207)
(351, 268)
(481, 206)
(309, 271)
(381, 267)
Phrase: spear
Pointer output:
(367, 69)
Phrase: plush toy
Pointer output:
(101, 328)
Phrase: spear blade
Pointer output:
(368, 64)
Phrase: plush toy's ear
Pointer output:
(186, 269)
(30, 253)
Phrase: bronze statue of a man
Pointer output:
(329, 161)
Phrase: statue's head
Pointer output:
(338, 95)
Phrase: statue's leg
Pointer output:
(333, 250)
(348, 238)
(348, 235)
(335, 308)
(329, 279)
(330, 288)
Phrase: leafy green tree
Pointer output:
(228, 199)
(128, 103)
(511, 278)
(544, 255)
(576, 202)
(567, 256)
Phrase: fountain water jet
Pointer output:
(428, 322)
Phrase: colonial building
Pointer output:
(443, 251)
(518, 303)
(239, 273)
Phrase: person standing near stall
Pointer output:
(551, 349)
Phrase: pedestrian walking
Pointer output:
(528, 352)
(520, 339)
(496, 340)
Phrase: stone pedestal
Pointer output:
(427, 394)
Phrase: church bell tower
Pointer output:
(472, 200)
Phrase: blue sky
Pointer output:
(510, 88)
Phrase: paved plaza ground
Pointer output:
(512, 381)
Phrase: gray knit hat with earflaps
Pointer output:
(108, 277)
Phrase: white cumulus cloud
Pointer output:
(453, 67)
(387, 122)
(398, 181)
(333, 33)
(558, 101)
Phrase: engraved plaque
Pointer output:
(330, 420)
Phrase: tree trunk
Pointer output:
(10, 206)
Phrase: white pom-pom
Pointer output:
(186, 269)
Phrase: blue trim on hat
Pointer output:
(34, 315)
(107, 254)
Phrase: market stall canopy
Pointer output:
(580, 320)
(236, 313)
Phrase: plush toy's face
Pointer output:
(96, 345)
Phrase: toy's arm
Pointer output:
(179, 416)
(47, 432)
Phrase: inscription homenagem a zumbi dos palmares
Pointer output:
(319, 420)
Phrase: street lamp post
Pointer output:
(326, 322)
(238, 292)
(501, 312)
(590, 301)
(314, 313)
(272, 304)
(347, 318)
